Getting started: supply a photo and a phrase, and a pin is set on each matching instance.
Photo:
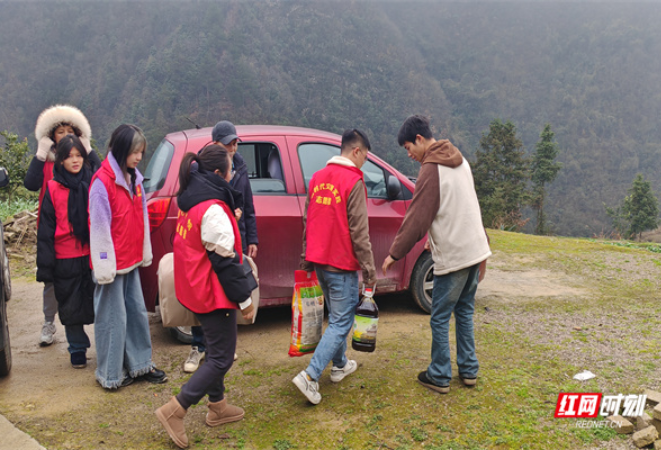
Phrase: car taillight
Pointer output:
(158, 210)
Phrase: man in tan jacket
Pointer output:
(336, 245)
(445, 206)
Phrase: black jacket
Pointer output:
(71, 277)
(205, 186)
(248, 222)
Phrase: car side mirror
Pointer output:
(4, 177)
(394, 188)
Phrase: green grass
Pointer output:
(529, 348)
(17, 205)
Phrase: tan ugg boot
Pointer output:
(221, 412)
(171, 415)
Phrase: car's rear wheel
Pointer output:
(5, 295)
(182, 334)
(5, 351)
(422, 281)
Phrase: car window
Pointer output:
(375, 180)
(313, 157)
(248, 153)
(158, 167)
(264, 167)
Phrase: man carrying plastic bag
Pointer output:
(336, 244)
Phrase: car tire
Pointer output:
(422, 281)
(5, 295)
(6, 276)
(182, 334)
(5, 352)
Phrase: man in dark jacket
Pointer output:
(224, 134)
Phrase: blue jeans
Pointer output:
(453, 292)
(77, 338)
(341, 296)
(198, 339)
(121, 328)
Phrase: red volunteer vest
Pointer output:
(66, 244)
(327, 236)
(128, 223)
(195, 283)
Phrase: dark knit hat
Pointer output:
(224, 132)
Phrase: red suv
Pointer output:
(281, 161)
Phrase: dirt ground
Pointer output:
(43, 387)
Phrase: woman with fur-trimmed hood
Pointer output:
(52, 125)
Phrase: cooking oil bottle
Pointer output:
(365, 324)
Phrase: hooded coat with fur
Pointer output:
(41, 172)
(59, 114)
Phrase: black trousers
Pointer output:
(220, 334)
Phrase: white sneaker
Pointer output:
(236, 357)
(338, 374)
(193, 361)
(47, 332)
(308, 387)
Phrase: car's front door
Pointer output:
(385, 215)
(279, 225)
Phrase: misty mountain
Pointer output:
(591, 70)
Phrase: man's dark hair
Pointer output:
(354, 137)
(413, 126)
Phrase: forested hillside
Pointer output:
(591, 70)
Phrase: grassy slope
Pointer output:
(529, 348)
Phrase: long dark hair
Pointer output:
(77, 183)
(211, 158)
(125, 140)
(64, 147)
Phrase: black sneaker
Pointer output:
(426, 382)
(155, 376)
(78, 360)
(127, 381)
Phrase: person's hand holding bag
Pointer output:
(249, 312)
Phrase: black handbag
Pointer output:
(247, 270)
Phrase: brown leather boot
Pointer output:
(171, 415)
(220, 412)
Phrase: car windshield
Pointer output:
(158, 167)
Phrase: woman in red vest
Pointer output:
(119, 245)
(53, 124)
(63, 243)
(210, 281)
